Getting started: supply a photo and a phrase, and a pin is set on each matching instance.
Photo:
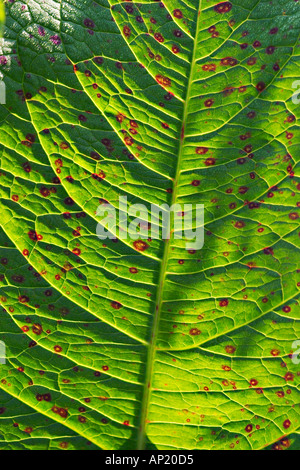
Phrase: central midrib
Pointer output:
(155, 328)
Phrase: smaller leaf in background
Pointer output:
(2, 12)
(2, 17)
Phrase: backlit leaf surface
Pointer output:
(116, 345)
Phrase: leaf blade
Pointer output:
(62, 112)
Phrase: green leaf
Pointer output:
(2, 14)
(167, 103)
